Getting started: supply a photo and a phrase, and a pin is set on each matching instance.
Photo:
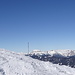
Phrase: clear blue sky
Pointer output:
(46, 24)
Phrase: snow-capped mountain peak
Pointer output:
(55, 52)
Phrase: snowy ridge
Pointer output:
(66, 52)
(55, 52)
(12, 63)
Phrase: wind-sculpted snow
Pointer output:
(12, 63)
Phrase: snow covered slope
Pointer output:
(66, 52)
(12, 63)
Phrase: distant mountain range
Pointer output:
(61, 57)
(64, 53)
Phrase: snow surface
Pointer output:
(12, 63)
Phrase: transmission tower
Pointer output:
(28, 47)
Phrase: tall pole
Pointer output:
(28, 47)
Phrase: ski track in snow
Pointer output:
(12, 63)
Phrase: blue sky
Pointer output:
(45, 24)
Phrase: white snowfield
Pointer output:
(12, 63)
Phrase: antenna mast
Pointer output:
(28, 47)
